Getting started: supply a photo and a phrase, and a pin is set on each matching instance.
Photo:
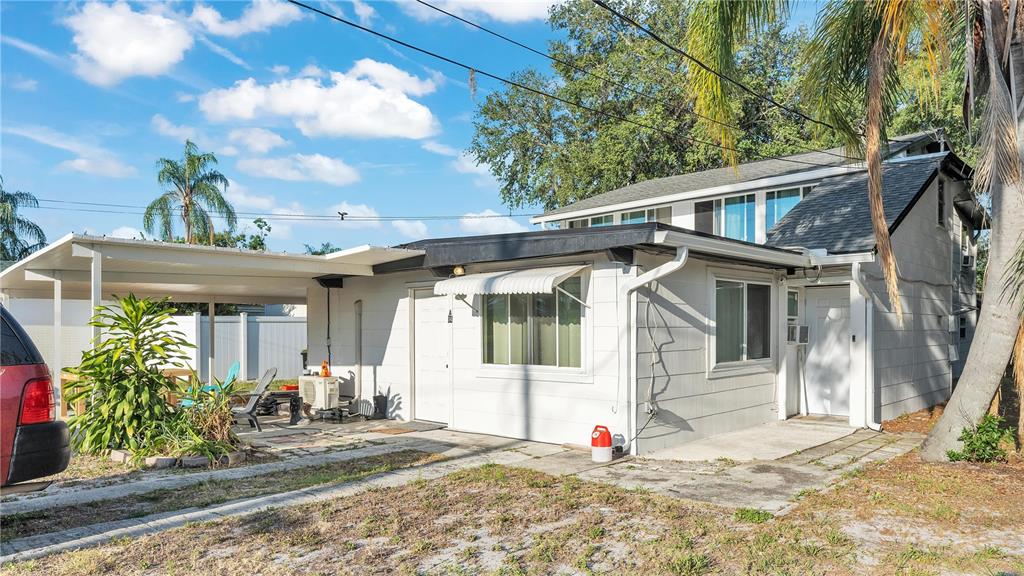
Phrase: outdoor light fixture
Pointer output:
(459, 271)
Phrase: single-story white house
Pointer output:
(669, 312)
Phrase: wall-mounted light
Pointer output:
(459, 271)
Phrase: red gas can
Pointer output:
(601, 444)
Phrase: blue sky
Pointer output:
(305, 114)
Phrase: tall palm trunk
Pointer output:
(999, 321)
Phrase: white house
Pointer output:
(668, 311)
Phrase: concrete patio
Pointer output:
(769, 441)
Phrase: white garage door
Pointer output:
(432, 331)
(827, 367)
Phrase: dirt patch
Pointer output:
(393, 430)
(204, 494)
(499, 520)
(920, 422)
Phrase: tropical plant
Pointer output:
(194, 193)
(983, 442)
(324, 248)
(120, 379)
(19, 236)
(202, 428)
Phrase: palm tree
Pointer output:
(195, 193)
(19, 236)
(853, 63)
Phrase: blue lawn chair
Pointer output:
(232, 375)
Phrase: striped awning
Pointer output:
(530, 281)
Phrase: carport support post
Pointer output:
(858, 355)
(243, 346)
(95, 290)
(58, 338)
(211, 349)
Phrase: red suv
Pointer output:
(33, 443)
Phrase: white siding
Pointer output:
(911, 362)
(694, 402)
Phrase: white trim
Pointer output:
(783, 181)
(730, 369)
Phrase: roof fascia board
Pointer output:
(218, 260)
(760, 183)
(83, 276)
(728, 249)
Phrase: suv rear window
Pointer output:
(16, 347)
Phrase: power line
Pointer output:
(293, 216)
(709, 69)
(538, 92)
(605, 78)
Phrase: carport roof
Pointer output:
(184, 272)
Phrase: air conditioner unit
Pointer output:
(796, 334)
(319, 393)
(967, 261)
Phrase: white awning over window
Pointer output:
(531, 281)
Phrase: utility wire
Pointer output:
(297, 216)
(709, 69)
(607, 79)
(521, 86)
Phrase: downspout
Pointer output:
(625, 352)
(869, 353)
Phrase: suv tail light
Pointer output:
(37, 403)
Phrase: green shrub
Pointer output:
(201, 429)
(120, 380)
(982, 443)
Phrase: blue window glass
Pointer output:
(638, 217)
(738, 217)
(779, 203)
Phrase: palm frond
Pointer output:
(999, 145)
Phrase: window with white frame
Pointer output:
(778, 203)
(663, 215)
(732, 217)
(792, 307)
(606, 220)
(942, 203)
(742, 321)
(537, 329)
(583, 223)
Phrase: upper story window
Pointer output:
(942, 203)
(742, 321)
(663, 215)
(537, 329)
(732, 217)
(778, 203)
(606, 220)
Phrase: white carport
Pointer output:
(93, 268)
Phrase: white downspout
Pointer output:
(625, 351)
(869, 353)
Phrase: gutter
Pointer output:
(626, 356)
(869, 356)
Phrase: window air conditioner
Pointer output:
(796, 334)
(967, 261)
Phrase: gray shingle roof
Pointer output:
(835, 216)
(651, 189)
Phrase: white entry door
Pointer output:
(827, 363)
(431, 333)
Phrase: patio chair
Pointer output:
(249, 409)
(231, 377)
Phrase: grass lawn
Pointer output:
(205, 494)
(903, 517)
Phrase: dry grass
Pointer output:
(204, 494)
(921, 421)
(498, 520)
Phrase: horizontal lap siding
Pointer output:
(690, 405)
(911, 362)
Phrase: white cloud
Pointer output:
(280, 69)
(511, 11)
(438, 148)
(91, 159)
(241, 198)
(259, 16)
(184, 97)
(23, 84)
(301, 168)
(489, 222)
(414, 229)
(312, 71)
(364, 12)
(371, 101)
(224, 52)
(165, 127)
(465, 164)
(115, 42)
(33, 49)
(127, 232)
(257, 140)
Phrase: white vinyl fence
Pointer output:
(266, 341)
